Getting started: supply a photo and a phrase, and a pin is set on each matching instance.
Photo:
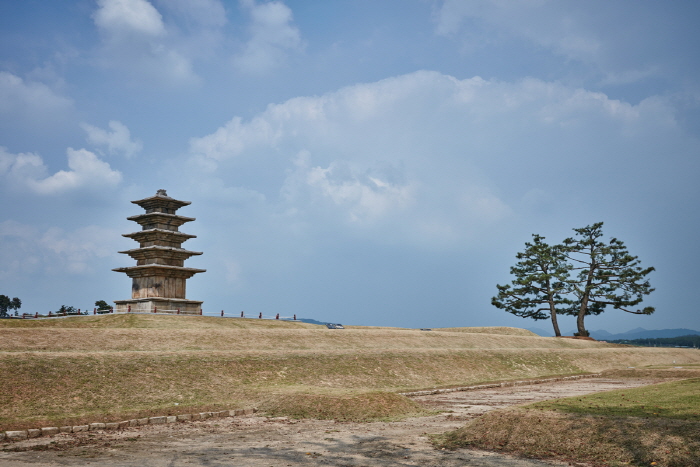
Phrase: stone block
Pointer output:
(66, 429)
(80, 428)
(239, 412)
(142, 421)
(49, 431)
(204, 415)
(184, 417)
(124, 424)
(133, 422)
(171, 419)
(157, 420)
(222, 413)
(111, 426)
(16, 434)
(97, 426)
(2, 435)
(33, 433)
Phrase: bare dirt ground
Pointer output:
(259, 441)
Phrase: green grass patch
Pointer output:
(677, 400)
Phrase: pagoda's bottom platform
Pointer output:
(158, 305)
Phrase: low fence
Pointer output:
(95, 311)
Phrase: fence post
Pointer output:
(36, 315)
(94, 311)
(222, 313)
(111, 309)
(200, 312)
(178, 311)
(128, 310)
(155, 309)
(242, 315)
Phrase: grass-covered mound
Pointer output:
(110, 367)
(653, 424)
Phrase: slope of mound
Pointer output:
(508, 331)
(65, 370)
(153, 321)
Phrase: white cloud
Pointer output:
(427, 157)
(29, 100)
(118, 141)
(25, 249)
(136, 41)
(204, 13)
(539, 21)
(366, 198)
(128, 17)
(87, 171)
(273, 36)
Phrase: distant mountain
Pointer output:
(541, 332)
(641, 333)
(311, 321)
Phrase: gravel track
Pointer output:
(259, 441)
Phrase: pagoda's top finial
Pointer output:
(162, 192)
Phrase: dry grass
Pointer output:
(113, 366)
(654, 424)
(370, 406)
(507, 331)
(598, 441)
(153, 321)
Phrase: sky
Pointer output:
(361, 162)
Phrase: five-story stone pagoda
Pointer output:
(158, 279)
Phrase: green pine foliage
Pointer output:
(540, 285)
(608, 275)
(580, 277)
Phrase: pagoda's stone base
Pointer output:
(158, 305)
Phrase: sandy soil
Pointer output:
(260, 441)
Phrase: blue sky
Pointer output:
(363, 162)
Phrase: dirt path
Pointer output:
(259, 441)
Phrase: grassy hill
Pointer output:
(109, 367)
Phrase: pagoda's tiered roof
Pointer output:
(161, 202)
(159, 220)
(158, 270)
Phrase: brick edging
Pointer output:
(53, 430)
(497, 385)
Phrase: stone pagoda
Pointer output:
(158, 279)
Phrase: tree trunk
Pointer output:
(553, 314)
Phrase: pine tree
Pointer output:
(607, 275)
(540, 285)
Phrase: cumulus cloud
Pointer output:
(136, 40)
(87, 171)
(29, 100)
(427, 156)
(124, 18)
(25, 249)
(582, 34)
(273, 36)
(117, 141)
